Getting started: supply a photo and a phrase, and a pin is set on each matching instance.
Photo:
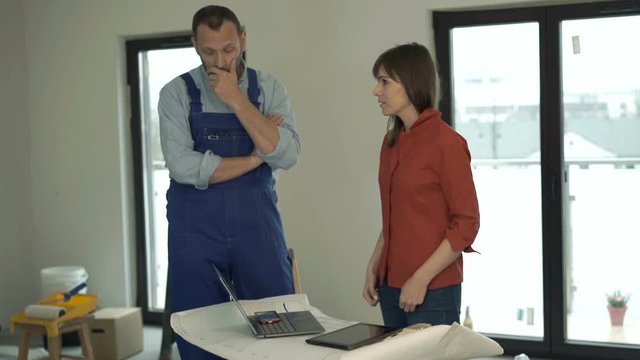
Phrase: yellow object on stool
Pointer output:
(76, 318)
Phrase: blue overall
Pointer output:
(234, 224)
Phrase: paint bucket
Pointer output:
(62, 278)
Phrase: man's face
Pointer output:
(219, 48)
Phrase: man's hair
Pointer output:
(213, 16)
(412, 66)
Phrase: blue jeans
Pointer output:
(440, 307)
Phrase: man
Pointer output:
(221, 151)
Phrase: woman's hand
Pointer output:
(412, 294)
(370, 291)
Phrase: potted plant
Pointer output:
(617, 306)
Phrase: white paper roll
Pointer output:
(44, 312)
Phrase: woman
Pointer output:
(429, 204)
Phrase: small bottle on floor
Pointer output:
(467, 319)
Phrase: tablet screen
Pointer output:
(353, 336)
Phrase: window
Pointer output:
(601, 112)
(151, 63)
(548, 99)
(494, 116)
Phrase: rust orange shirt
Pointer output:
(428, 195)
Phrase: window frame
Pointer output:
(554, 343)
(133, 49)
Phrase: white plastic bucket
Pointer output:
(62, 278)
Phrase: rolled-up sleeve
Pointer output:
(460, 194)
(185, 165)
(286, 153)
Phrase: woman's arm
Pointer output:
(413, 291)
(370, 291)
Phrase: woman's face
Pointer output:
(391, 95)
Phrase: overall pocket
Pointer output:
(224, 142)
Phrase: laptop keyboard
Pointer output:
(280, 327)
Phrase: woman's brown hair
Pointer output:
(411, 65)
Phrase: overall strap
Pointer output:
(194, 93)
(253, 90)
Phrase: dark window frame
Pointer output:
(133, 49)
(554, 345)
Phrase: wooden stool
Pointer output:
(54, 341)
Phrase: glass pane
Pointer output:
(496, 100)
(601, 99)
(159, 67)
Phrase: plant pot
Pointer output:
(616, 314)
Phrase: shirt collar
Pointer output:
(426, 116)
(423, 122)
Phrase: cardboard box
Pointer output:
(116, 333)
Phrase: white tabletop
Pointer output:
(221, 330)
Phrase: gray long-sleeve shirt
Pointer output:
(188, 166)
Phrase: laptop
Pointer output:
(287, 324)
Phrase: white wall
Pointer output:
(67, 181)
(17, 270)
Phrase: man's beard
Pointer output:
(240, 66)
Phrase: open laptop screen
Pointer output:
(233, 297)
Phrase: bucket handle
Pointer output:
(74, 291)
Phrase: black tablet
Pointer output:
(353, 336)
